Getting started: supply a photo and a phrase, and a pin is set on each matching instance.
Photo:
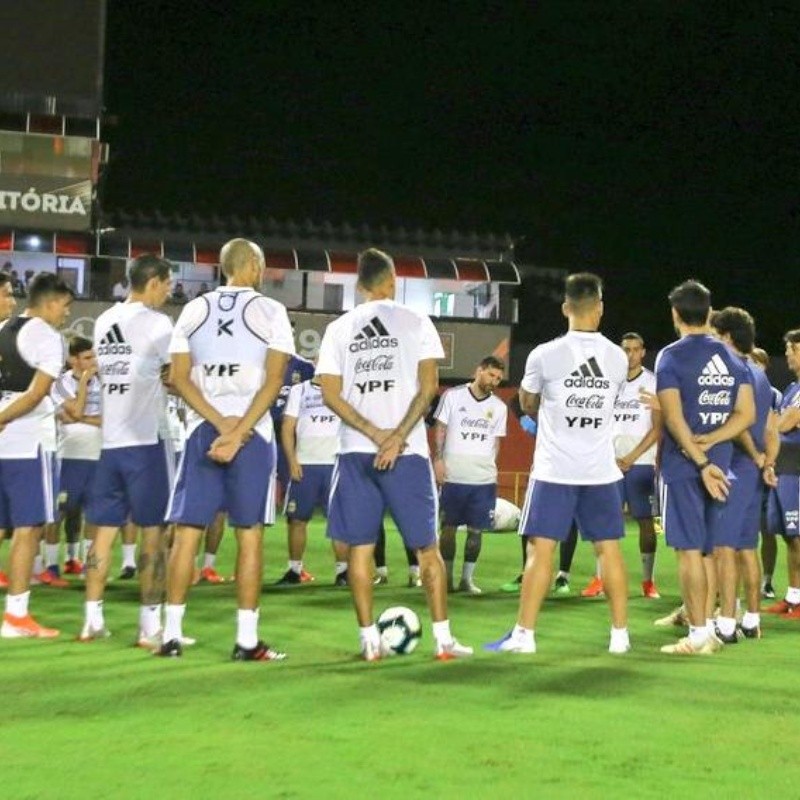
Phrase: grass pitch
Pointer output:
(105, 720)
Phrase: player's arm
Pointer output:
(331, 387)
(789, 419)
(744, 441)
(38, 389)
(289, 444)
(529, 402)
(392, 446)
(739, 420)
(180, 379)
(439, 438)
(712, 476)
(772, 446)
(647, 441)
(225, 447)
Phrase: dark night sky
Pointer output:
(647, 141)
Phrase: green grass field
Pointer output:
(106, 720)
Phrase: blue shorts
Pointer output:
(691, 518)
(550, 510)
(132, 483)
(360, 495)
(245, 488)
(28, 491)
(282, 468)
(310, 492)
(468, 504)
(77, 476)
(741, 514)
(783, 506)
(638, 488)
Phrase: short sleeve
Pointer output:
(666, 374)
(42, 347)
(61, 391)
(268, 320)
(430, 343)
(533, 378)
(292, 408)
(329, 361)
(192, 316)
(502, 420)
(442, 413)
(162, 337)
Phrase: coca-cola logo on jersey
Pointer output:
(380, 363)
(707, 398)
(590, 401)
(633, 404)
(482, 424)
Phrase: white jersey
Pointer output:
(376, 349)
(175, 426)
(228, 333)
(632, 418)
(41, 347)
(78, 439)
(473, 427)
(578, 377)
(317, 430)
(132, 345)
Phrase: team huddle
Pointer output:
(707, 429)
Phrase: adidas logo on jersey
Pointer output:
(715, 373)
(113, 343)
(587, 376)
(372, 336)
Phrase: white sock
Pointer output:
(698, 634)
(72, 550)
(17, 604)
(209, 559)
(648, 563)
(710, 626)
(173, 621)
(562, 574)
(247, 628)
(85, 547)
(597, 569)
(726, 625)
(38, 565)
(51, 554)
(441, 632)
(341, 566)
(468, 570)
(129, 555)
(793, 595)
(294, 566)
(751, 619)
(94, 614)
(767, 579)
(150, 620)
(620, 635)
(382, 571)
(369, 633)
(413, 570)
(522, 634)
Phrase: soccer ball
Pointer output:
(400, 630)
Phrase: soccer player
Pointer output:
(77, 397)
(752, 465)
(571, 383)
(229, 354)
(32, 353)
(470, 422)
(783, 509)
(378, 372)
(7, 305)
(310, 440)
(131, 340)
(637, 429)
(703, 390)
